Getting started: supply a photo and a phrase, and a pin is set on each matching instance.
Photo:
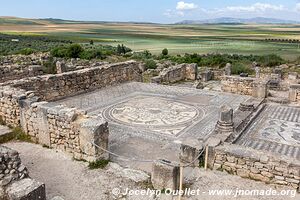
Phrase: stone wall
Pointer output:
(177, 73)
(15, 72)
(238, 85)
(9, 105)
(11, 168)
(244, 86)
(15, 182)
(257, 165)
(59, 127)
(63, 128)
(52, 87)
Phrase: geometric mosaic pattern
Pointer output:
(156, 112)
(277, 130)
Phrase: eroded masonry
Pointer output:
(249, 126)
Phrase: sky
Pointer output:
(157, 11)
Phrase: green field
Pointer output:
(179, 39)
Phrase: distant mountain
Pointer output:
(230, 20)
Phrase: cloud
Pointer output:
(182, 6)
(298, 7)
(257, 7)
(181, 9)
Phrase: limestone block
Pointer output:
(261, 90)
(293, 92)
(242, 173)
(94, 131)
(60, 67)
(191, 71)
(189, 152)
(26, 189)
(165, 176)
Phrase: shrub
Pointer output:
(74, 51)
(49, 67)
(271, 60)
(165, 52)
(60, 52)
(91, 54)
(99, 164)
(150, 64)
(240, 68)
(71, 51)
(122, 49)
(26, 51)
(142, 55)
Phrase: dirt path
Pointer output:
(72, 180)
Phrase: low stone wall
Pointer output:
(15, 182)
(53, 87)
(63, 128)
(57, 127)
(238, 85)
(9, 105)
(244, 86)
(8, 73)
(177, 73)
(257, 165)
(11, 168)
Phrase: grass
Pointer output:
(16, 134)
(179, 39)
(99, 164)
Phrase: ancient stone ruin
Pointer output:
(107, 112)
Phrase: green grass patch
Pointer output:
(99, 164)
(16, 134)
(20, 135)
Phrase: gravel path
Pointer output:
(72, 180)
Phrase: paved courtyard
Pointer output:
(276, 130)
(149, 121)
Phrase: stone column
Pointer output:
(246, 107)
(165, 176)
(225, 123)
(228, 69)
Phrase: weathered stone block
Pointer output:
(165, 176)
(190, 150)
(242, 173)
(93, 138)
(26, 189)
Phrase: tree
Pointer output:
(74, 51)
(92, 42)
(122, 49)
(165, 52)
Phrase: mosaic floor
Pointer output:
(159, 111)
(276, 130)
(148, 121)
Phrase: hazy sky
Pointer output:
(163, 11)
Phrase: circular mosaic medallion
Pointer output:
(152, 112)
